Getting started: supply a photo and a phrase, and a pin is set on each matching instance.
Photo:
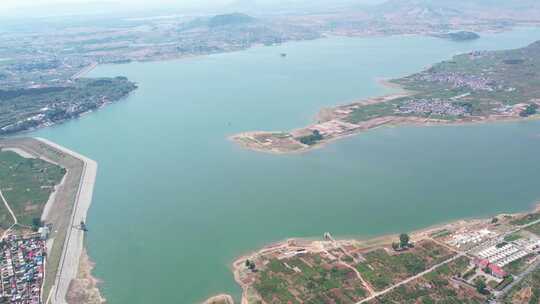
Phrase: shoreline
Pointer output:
(366, 244)
(73, 246)
(248, 140)
(85, 288)
(65, 206)
(325, 114)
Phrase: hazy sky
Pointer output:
(12, 4)
(17, 8)
(22, 8)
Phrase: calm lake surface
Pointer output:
(175, 201)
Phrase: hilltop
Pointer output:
(230, 19)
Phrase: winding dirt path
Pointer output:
(359, 276)
(15, 221)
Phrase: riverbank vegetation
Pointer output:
(25, 109)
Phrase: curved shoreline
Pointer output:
(286, 142)
(74, 243)
(68, 204)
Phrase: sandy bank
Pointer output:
(84, 289)
(220, 299)
(73, 244)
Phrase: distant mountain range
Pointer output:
(444, 11)
(413, 8)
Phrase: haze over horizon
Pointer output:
(46, 8)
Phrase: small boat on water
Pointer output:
(283, 55)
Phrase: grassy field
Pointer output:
(26, 184)
(518, 266)
(526, 219)
(512, 237)
(534, 229)
(382, 269)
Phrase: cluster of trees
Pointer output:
(529, 110)
(311, 139)
(404, 242)
(481, 286)
(251, 265)
(36, 223)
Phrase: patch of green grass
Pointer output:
(517, 266)
(526, 219)
(534, 229)
(371, 111)
(441, 233)
(382, 269)
(512, 237)
(26, 184)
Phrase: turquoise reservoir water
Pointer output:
(175, 201)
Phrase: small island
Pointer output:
(467, 261)
(478, 86)
(459, 36)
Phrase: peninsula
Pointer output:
(467, 261)
(473, 87)
(24, 109)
